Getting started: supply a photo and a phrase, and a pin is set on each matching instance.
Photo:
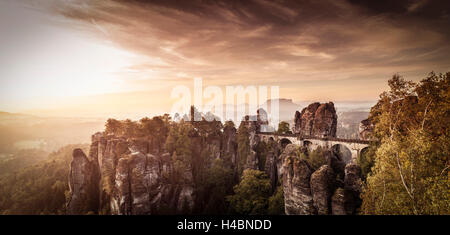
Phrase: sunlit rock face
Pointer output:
(316, 120)
(140, 186)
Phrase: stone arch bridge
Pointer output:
(354, 146)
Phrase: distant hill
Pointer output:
(348, 123)
(22, 131)
(287, 109)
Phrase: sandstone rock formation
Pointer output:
(365, 129)
(316, 120)
(253, 128)
(322, 187)
(83, 178)
(289, 151)
(297, 192)
(271, 164)
(333, 188)
(123, 177)
(338, 202)
(353, 187)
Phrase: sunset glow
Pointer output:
(55, 54)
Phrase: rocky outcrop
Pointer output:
(289, 151)
(229, 143)
(322, 187)
(334, 188)
(298, 199)
(253, 127)
(338, 202)
(123, 177)
(316, 120)
(365, 129)
(353, 187)
(346, 199)
(271, 164)
(140, 186)
(83, 179)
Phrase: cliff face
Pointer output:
(298, 199)
(330, 189)
(316, 120)
(82, 184)
(123, 177)
(137, 176)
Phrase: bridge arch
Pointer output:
(364, 150)
(342, 152)
(363, 153)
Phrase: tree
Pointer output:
(218, 182)
(113, 126)
(130, 128)
(229, 124)
(157, 128)
(179, 141)
(283, 128)
(276, 202)
(411, 161)
(315, 158)
(251, 194)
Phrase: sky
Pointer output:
(106, 58)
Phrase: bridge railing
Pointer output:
(302, 137)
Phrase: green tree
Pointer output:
(276, 202)
(39, 188)
(219, 181)
(410, 173)
(130, 128)
(229, 124)
(283, 128)
(113, 126)
(315, 158)
(251, 194)
(179, 141)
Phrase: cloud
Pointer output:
(283, 41)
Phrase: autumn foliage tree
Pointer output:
(410, 173)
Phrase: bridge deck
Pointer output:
(317, 138)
